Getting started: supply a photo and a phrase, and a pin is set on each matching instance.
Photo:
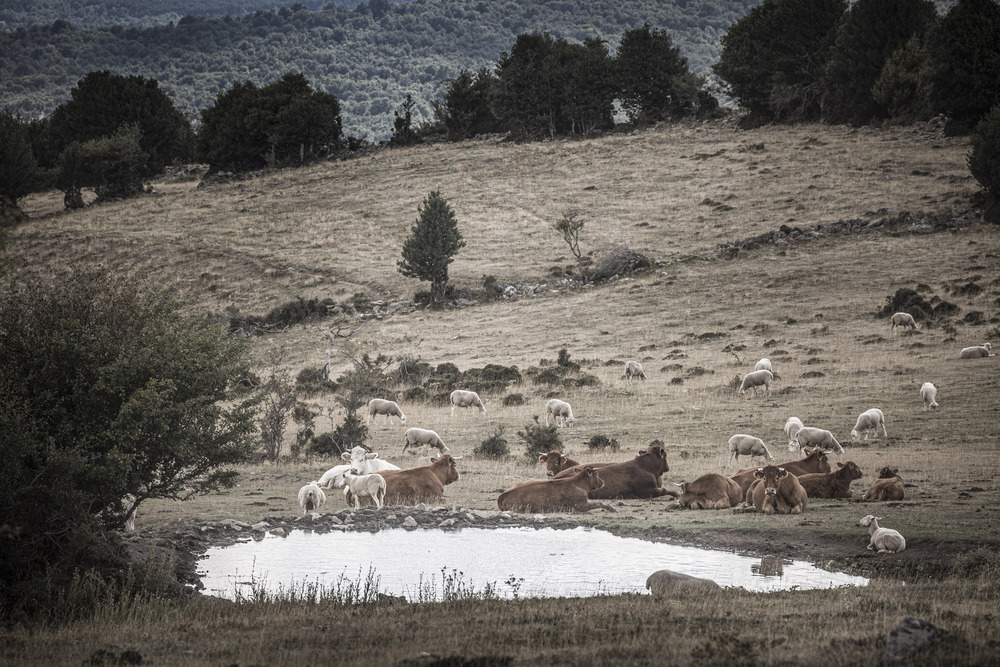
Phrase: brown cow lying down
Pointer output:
(814, 461)
(888, 486)
(554, 495)
(776, 491)
(555, 462)
(711, 491)
(642, 477)
(831, 484)
(408, 487)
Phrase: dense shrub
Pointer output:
(415, 395)
(493, 447)
(492, 377)
(984, 161)
(513, 400)
(310, 381)
(908, 301)
(539, 439)
(603, 442)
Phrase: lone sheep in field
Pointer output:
(560, 410)
(928, 392)
(365, 486)
(809, 436)
(756, 379)
(664, 583)
(748, 445)
(977, 352)
(311, 498)
(421, 437)
(380, 406)
(792, 427)
(633, 369)
(883, 540)
(903, 320)
(867, 421)
(461, 398)
(764, 365)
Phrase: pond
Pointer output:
(425, 565)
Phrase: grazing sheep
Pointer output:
(415, 437)
(311, 497)
(365, 486)
(748, 445)
(883, 540)
(764, 365)
(977, 352)
(902, 320)
(334, 477)
(888, 486)
(809, 436)
(634, 369)
(928, 392)
(561, 410)
(792, 427)
(380, 406)
(460, 398)
(756, 379)
(868, 420)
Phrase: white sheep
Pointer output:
(460, 398)
(633, 369)
(868, 420)
(883, 540)
(334, 477)
(380, 406)
(422, 437)
(902, 320)
(748, 445)
(560, 410)
(792, 427)
(809, 436)
(928, 392)
(756, 379)
(311, 497)
(365, 486)
(763, 365)
(977, 352)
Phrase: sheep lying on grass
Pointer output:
(764, 365)
(420, 437)
(977, 352)
(560, 410)
(904, 320)
(792, 427)
(868, 420)
(460, 398)
(365, 486)
(809, 436)
(883, 540)
(633, 369)
(334, 477)
(380, 406)
(928, 392)
(311, 497)
(748, 445)
(756, 379)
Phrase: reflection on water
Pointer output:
(525, 562)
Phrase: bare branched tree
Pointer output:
(570, 225)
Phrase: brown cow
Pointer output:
(553, 495)
(776, 491)
(814, 461)
(555, 462)
(405, 487)
(642, 477)
(888, 486)
(711, 491)
(831, 484)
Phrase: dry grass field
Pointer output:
(696, 322)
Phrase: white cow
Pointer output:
(363, 462)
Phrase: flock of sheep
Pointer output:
(360, 477)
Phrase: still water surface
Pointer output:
(526, 562)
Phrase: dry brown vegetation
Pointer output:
(672, 193)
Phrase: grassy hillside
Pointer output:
(697, 322)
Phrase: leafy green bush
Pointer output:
(492, 377)
(513, 400)
(539, 439)
(984, 161)
(493, 447)
(603, 442)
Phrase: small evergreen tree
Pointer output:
(403, 133)
(654, 82)
(984, 161)
(465, 110)
(433, 243)
(112, 166)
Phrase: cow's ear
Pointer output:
(346, 456)
(372, 455)
(759, 473)
(839, 464)
(894, 470)
(782, 472)
(543, 458)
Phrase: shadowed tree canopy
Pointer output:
(652, 77)
(433, 243)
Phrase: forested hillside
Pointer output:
(370, 57)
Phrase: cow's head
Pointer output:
(446, 462)
(359, 458)
(888, 473)
(656, 458)
(850, 469)
(593, 477)
(772, 476)
(817, 460)
(553, 462)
